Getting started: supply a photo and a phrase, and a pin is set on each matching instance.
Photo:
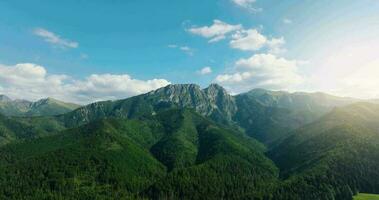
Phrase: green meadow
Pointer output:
(363, 196)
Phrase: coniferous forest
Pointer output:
(183, 142)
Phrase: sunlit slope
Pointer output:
(336, 156)
(271, 115)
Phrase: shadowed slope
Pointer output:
(120, 158)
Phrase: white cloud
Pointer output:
(253, 40)
(205, 71)
(216, 32)
(188, 50)
(287, 21)
(247, 4)
(275, 45)
(261, 70)
(242, 39)
(248, 40)
(31, 81)
(55, 39)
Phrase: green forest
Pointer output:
(183, 142)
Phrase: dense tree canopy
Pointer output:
(197, 144)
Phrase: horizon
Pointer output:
(201, 88)
(108, 51)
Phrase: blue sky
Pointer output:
(95, 50)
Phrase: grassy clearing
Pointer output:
(363, 196)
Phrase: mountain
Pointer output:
(49, 107)
(43, 107)
(184, 142)
(4, 98)
(264, 115)
(213, 102)
(11, 107)
(333, 157)
(179, 154)
(298, 100)
(270, 115)
(172, 154)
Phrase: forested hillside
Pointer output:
(174, 154)
(334, 157)
(181, 142)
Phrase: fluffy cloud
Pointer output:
(205, 71)
(275, 45)
(247, 4)
(253, 40)
(216, 32)
(31, 81)
(248, 40)
(261, 70)
(242, 39)
(55, 39)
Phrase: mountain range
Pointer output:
(42, 107)
(184, 142)
(264, 115)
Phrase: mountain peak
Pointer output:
(214, 90)
(183, 86)
(177, 89)
(215, 86)
(4, 98)
(47, 100)
(258, 90)
(50, 100)
(261, 91)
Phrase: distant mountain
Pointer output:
(49, 107)
(298, 100)
(11, 107)
(339, 152)
(174, 154)
(269, 115)
(4, 98)
(43, 107)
